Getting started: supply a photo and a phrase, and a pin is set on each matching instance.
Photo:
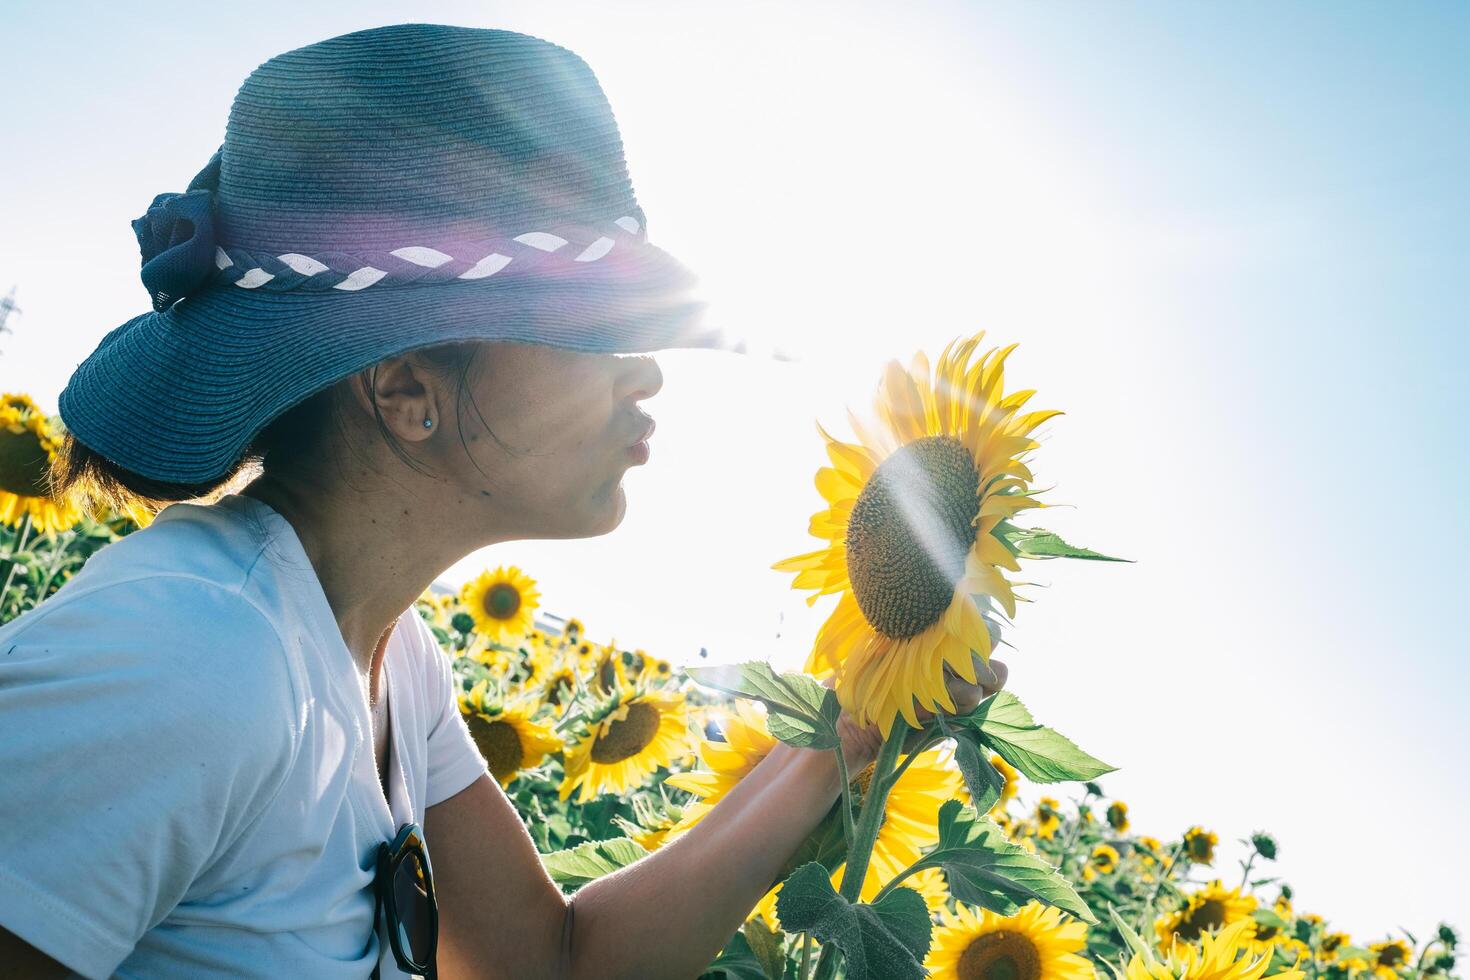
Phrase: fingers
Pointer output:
(998, 672)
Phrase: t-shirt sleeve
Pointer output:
(454, 760)
(143, 725)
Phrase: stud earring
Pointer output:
(428, 422)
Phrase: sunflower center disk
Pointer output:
(500, 744)
(627, 737)
(910, 531)
(502, 601)
(23, 464)
(1210, 914)
(1000, 955)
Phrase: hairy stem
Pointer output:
(871, 816)
(848, 830)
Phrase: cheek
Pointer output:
(558, 455)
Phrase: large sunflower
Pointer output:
(912, 513)
(629, 738)
(1210, 908)
(27, 446)
(1033, 944)
(507, 737)
(1225, 955)
(502, 603)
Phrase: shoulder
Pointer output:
(175, 646)
(209, 541)
(421, 648)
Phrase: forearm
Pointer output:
(669, 914)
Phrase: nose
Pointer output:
(639, 377)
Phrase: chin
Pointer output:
(600, 515)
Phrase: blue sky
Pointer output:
(1231, 241)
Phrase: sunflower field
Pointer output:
(979, 845)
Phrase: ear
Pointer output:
(406, 394)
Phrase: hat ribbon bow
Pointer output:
(176, 238)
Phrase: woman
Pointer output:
(414, 287)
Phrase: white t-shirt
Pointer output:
(187, 780)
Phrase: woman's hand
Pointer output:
(860, 744)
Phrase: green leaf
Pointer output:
(1026, 542)
(768, 947)
(1134, 941)
(981, 778)
(884, 941)
(735, 962)
(825, 845)
(985, 869)
(1268, 917)
(800, 711)
(1041, 754)
(587, 862)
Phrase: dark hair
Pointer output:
(97, 484)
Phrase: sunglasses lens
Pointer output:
(410, 894)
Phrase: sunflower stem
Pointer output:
(806, 956)
(827, 963)
(870, 818)
(25, 530)
(1076, 833)
(1246, 866)
(932, 736)
(846, 802)
(899, 879)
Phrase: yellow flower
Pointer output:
(503, 602)
(747, 742)
(1209, 908)
(633, 736)
(656, 670)
(1048, 817)
(909, 825)
(1224, 955)
(1033, 944)
(1331, 943)
(608, 672)
(1118, 816)
(1390, 956)
(28, 445)
(533, 664)
(913, 510)
(1104, 858)
(652, 838)
(560, 687)
(507, 737)
(573, 629)
(1199, 845)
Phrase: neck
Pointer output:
(374, 555)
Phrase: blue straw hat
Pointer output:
(377, 192)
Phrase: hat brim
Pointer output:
(178, 396)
